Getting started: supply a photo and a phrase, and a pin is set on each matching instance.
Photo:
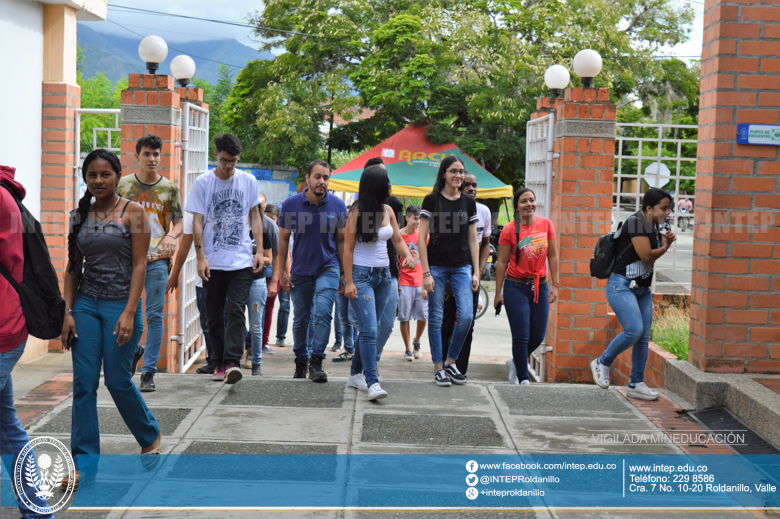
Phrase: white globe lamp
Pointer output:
(587, 65)
(556, 78)
(153, 50)
(183, 68)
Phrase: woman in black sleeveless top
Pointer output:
(107, 248)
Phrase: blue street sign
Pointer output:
(764, 134)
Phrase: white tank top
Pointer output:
(374, 254)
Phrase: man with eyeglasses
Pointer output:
(224, 203)
(468, 188)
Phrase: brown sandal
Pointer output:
(76, 480)
(150, 458)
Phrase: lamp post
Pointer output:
(556, 78)
(587, 65)
(183, 68)
(153, 50)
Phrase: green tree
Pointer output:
(470, 69)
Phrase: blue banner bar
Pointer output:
(429, 481)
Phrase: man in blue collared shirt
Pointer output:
(317, 220)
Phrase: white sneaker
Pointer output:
(357, 381)
(525, 382)
(510, 364)
(600, 373)
(642, 391)
(375, 392)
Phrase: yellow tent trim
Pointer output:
(351, 186)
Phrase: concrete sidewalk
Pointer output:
(275, 414)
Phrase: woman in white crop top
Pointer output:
(367, 272)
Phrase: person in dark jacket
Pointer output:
(13, 330)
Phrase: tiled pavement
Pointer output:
(275, 414)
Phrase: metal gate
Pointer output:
(539, 156)
(79, 187)
(663, 156)
(195, 148)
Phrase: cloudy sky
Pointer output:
(179, 29)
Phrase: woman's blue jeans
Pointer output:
(634, 310)
(527, 321)
(13, 437)
(96, 347)
(460, 280)
(373, 290)
(258, 293)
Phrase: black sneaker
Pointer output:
(315, 370)
(343, 357)
(442, 379)
(208, 369)
(147, 382)
(336, 347)
(300, 369)
(256, 371)
(138, 355)
(456, 376)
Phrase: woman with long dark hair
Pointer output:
(522, 281)
(367, 272)
(638, 247)
(452, 254)
(107, 247)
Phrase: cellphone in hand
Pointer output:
(498, 309)
(69, 341)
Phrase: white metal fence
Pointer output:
(102, 137)
(195, 147)
(663, 156)
(539, 155)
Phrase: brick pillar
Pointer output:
(735, 321)
(58, 140)
(150, 104)
(581, 212)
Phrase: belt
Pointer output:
(525, 281)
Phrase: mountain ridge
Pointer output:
(117, 56)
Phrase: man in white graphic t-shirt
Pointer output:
(224, 203)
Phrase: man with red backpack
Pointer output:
(13, 326)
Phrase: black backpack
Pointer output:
(604, 254)
(39, 293)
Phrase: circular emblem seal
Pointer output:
(39, 471)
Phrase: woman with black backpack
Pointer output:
(639, 246)
(107, 247)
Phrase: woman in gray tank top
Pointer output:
(107, 247)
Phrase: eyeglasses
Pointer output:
(226, 161)
(470, 184)
(456, 172)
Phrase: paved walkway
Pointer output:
(277, 415)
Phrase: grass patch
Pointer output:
(671, 330)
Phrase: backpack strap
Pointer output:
(4, 271)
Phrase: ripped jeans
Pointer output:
(373, 290)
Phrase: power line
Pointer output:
(225, 22)
(179, 50)
(184, 33)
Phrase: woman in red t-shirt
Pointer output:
(526, 293)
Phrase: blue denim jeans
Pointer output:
(337, 322)
(313, 298)
(94, 348)
(13, 437)
(527, 321)
(258, 293)
(387, 319)
(460, 279)
(374, 285)
(634, 310)
(348, 332)
(154, 286)
(282, 315)
(204, 323)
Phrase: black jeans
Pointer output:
(226, 295)
(447, 327)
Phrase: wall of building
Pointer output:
(21, 29)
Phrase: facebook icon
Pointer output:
(472, 466)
